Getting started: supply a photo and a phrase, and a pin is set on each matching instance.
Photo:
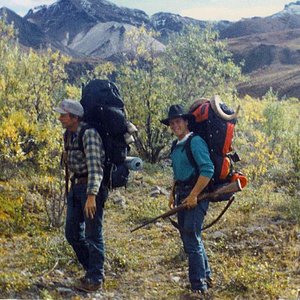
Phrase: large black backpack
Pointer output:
(104, 111)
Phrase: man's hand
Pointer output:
(171, 200)
(90, 206)
(190, 201)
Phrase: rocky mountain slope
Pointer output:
(29, 34)
(66, 19)
(96, 28)
(271, 60)
(168, 23)
(90, 28)
(288, 18)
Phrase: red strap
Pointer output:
(228, 138)
(225, 168)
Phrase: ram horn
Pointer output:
(197, 103)
(216, 106)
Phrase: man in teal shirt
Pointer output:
(188, 183)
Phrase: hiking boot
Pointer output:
(82, 279)
(201, 294)
(86, 285)
(209, 282)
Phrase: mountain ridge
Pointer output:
(89, 28)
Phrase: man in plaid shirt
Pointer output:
(85, 160)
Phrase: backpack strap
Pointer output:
(189, 153)
(64, 158)
(190, 156)
(188, 150)
(80, 137)
(174, 143)
(68, 138)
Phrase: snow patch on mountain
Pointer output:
(85, 3)
(38, 8)
(106, 39)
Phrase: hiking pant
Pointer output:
(190, 223)
(85, 234)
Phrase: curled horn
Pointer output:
(197, 103)
(215, 105)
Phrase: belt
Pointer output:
(80, 180)
(189, 184)
(185, 184)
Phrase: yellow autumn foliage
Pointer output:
(72, 92)
(263, 132)
(33, 83)
(15, 132)
(31, 86)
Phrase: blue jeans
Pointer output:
(85, 234)
(190, 223)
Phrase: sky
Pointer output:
(231, 10)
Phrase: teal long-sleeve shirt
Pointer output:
(182, 168)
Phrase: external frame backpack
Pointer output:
(215, 123)
(104, 110)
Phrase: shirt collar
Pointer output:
(81, 124)
(184, 139)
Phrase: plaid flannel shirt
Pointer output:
(91, 162)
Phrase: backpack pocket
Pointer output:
(116, 150)
(119, 176)
(116, 176)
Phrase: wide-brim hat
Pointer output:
(176, 111)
